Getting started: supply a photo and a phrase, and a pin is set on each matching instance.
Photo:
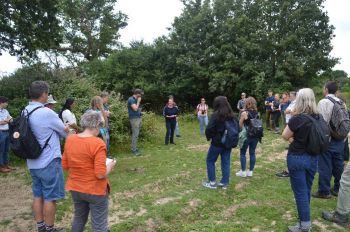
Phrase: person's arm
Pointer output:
(135, 106)
(244, 116)
(288, 134)
(100, 167)
(211, 128)
(238, 108)
(56, 124)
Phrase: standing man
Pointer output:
(268, 108)
(289, 112)
(283, 106)
(105, 97)
(330, 163)
(241, 104)
(134, 111)
(5, 119)
(46, 171)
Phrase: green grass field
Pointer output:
(161, 190)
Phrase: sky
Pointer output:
(149, 19)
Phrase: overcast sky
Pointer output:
(149, 19)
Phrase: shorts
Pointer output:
(48, 182)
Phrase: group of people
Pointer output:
(85, 155)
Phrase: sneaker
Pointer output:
(223, 186)
(250, 174)
(57, 229)
(136, 153)
(299, 228)
(283, 174)
(208, 184)
(336, 218)
(334, 192)
(241, 173)
(321, 196)
(178, 136)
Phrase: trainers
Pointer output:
(299, 228)
(136, 153)
(208, 184)
(321, 196)
(178, 136)
(249, 173)
(283, 174)
(223, 186)
(336, 218)
(334, 192)
(241, 173)
(57, 229)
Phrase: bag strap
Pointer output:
(334, 101)
(29, 113)
(47, 141)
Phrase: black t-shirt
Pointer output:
(300, 125)
(251, 114)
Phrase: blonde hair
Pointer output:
(250, 104)
(305, 102)
(97, 103)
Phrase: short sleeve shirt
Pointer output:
(269, 100)
(4, 114)
(300, 125)
(68, 117)
(133, 113)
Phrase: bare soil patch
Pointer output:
(232, 210)
(201, 148)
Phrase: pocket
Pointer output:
(294, 162)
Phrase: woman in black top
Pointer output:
(214, 132)
(250, 112)
(301, 165)
(276, 113)
(170, 113)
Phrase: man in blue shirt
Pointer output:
(268, 103)
(134, 111)
(46, 171)
(5, 119)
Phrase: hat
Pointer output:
(243, 94)
(138, 91)
(50, 100)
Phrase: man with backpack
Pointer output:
(331, 163)
(46, 170)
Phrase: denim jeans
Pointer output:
(213, 154)
(135, 129)
(331, 164)
(4, 147)
(177, 129)
(251, 143)
(86, 203)
(302, 170)
(170, 130)
(203, 122)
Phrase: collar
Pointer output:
(330, 95)
(35, 103)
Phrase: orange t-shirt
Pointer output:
(85, 159)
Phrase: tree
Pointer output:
(28, 26)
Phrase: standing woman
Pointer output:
(251, 112)
(202, 113)
(68, 117)
(97, 105)
(301, 165)
(276, 113)
(170, 113)
(84, 158)
(214, 132)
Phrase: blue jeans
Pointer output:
(331, 164)
(177, 129)
(4, 147)
(251, 143)
(48, 182)
(302, 170)
(213, 154)
(203, 122)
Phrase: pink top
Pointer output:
(202, 110)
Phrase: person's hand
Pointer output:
(138, 100)
(66, 128)
(291, 139)
(111, 166)
(244, 115)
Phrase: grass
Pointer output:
(161, 190)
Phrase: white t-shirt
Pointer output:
(290, 107)
(4, 114)
(68, 117)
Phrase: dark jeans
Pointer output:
(276, 119)
(302, 170)
(213, 154)
(85, 203)
(170, 130)
(4, 147)
(251, 143)
(331, 164)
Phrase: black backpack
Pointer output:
(319, 136)
(22, 140)
(255, 128)
(340, 121)
(230, 136)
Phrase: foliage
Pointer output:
(28, 26)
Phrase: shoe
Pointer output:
(321, 196)
(136, 153)
(5, 170)
(283, 174)
(336, 218)
(241, 173)
(223, 186)
(173, 143)
(208, 184)
(299, 228)
(178, 136)
(249, 173)
(57, 229)
(334, 192)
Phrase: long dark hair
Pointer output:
(67, 106)
(222, 108)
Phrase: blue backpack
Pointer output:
(231, 134)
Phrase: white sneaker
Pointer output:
(241, 173)
(250, 173)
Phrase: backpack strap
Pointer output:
(340, 102)
(29, 113)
